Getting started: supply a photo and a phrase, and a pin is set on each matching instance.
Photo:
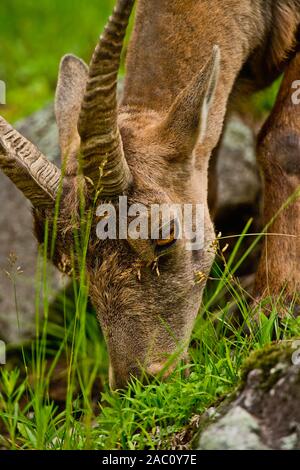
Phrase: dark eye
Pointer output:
(165, 243)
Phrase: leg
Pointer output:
(279, 157)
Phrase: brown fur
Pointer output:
(279, 157)
(171, 78)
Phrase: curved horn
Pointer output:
(101, 144)
(27, 167)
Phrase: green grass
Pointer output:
(144, 416)
(33, 38)
(150, 416)
(35, 35)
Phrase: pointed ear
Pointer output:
(187, 118)
(72, 79)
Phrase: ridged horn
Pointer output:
(27, 167)
(101, 144)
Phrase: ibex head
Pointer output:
(144, 290)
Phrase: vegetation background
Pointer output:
(54, 394)
(34, 35)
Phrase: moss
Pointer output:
(266, 359)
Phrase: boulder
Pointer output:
(264, 412)
(239, 183)
(18, 248)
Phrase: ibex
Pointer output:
(187, 64)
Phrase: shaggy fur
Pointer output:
(177, 90)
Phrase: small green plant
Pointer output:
(145, 416)
(34, 37)
(53, 391)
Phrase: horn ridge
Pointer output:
(101, 143)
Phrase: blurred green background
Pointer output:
(34, 35)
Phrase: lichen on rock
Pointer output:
(264, 412)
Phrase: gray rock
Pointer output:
(18, 248)
(41, 129)
(239, 183)
(264, 412)
(237, 430)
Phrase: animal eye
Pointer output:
(164, 243)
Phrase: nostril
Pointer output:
(134, 372)
(120, 377)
